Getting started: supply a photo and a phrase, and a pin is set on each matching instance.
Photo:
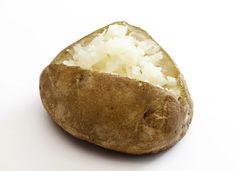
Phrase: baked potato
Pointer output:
(118, 89)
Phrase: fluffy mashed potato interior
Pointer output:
(116, 51)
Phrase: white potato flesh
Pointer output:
(116, 51)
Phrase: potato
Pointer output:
(118, 89)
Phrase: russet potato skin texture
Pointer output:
(114, 112)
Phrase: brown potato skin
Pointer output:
(114, 112)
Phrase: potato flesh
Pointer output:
(116, 51)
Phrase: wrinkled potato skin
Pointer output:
(116, 113)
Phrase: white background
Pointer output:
(200, 37)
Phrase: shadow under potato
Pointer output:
(99, 151)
